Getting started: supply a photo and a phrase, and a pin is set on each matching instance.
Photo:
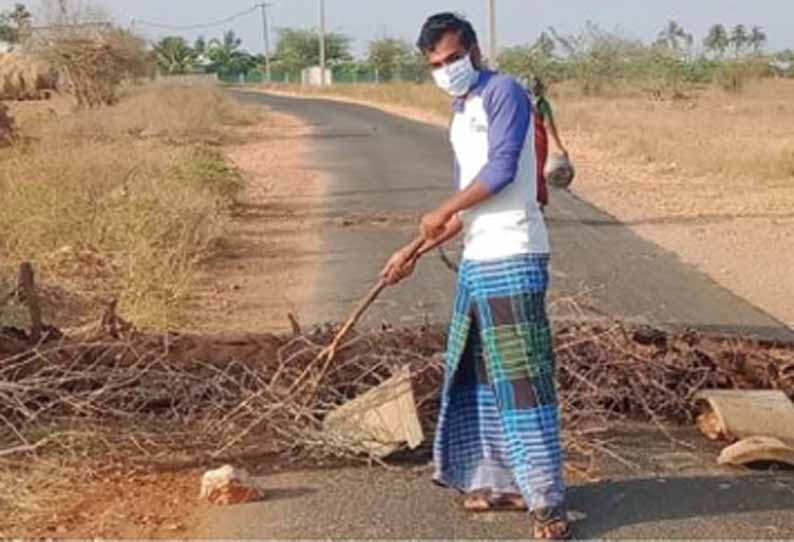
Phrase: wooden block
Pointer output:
(739, 414)
(757, 449)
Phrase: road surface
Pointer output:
(379, 165)
(386, 168)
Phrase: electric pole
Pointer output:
(492, 43)
(266, 33)
(322, 42)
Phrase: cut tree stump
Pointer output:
(757, 450)
(739, 414)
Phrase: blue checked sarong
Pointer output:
(499, 428)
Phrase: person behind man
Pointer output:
(544, 124)
(498, 436)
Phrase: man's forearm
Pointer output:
(473, 195)
(434, 223)
(451, 230)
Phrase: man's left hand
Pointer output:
(433, 224)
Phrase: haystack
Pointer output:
(26, 77)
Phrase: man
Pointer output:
(498, 438)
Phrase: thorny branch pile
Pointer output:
(117, 391)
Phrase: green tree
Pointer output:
(598, 58)
(395, 59)
(717, 41)
(173, 55)
(15, 24)
(298, 49)
(538, 59)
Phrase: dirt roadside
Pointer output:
(263, 272)
(733, 231)
(266, 269)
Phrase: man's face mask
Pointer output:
(456, 78)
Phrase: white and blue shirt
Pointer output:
(493, 142)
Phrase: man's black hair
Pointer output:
(439, 24)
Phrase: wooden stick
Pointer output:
(365, 303)
(26, 290)
(329, 352)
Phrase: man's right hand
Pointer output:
(399, 267)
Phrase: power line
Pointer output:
(164, 26)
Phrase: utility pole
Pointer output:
(266, 33)
(493, 51)
(322, 42)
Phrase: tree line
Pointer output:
(296, 49)
(599, 59)
(594, 57)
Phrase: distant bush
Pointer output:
(600, 61)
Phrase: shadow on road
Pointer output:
(618, 504)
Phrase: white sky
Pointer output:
(519, 21)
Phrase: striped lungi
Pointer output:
(499, 428)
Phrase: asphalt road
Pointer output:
(384, 166)
(383, 171)
(676, 494)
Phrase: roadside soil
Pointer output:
(266, 269)
(734, 230)
(128, 503)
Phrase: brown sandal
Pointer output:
(551, 524)
(497, 503)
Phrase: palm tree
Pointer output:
(757, 39)
(545, 45)
(229, 44)
(739, 39)
(717, 40)
(226, 56)
(200, 46)
(174, 55)
(674, 37)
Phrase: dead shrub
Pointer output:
(26, 77)
(95, 64)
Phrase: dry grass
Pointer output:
(124, 201)
(742, 141)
